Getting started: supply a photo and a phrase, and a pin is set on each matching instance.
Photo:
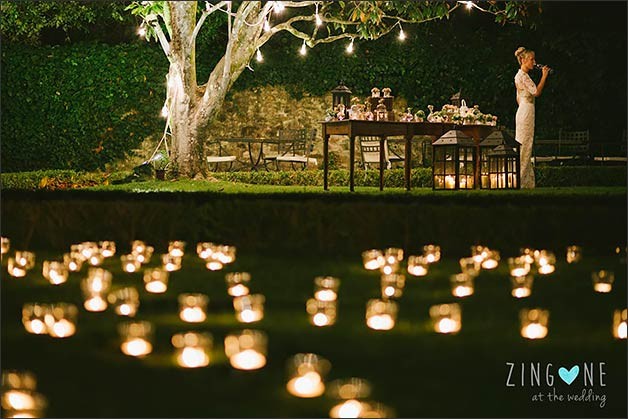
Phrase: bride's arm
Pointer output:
(541, 85)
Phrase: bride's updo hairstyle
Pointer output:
(521, 53)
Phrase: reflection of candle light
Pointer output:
(325, 295)
(136, 347)
(602, 287)
(534, 331)
(521, 292)
(380, 322)
(192, 315)
(462, 291)
(307, 385)
(249, 359)
(193, 358)
(95, 303)
(238, 290)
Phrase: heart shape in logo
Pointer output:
(568, 376)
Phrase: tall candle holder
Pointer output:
(156, 280)
(192, 349)
(61, 320)
(193, 307)
(417, 265)
(136, 338)
(34, 318)
(326, 288)
(392, 286)
(55, 272)
(462, 285)
(381, 315)
(249, 308)
(446, 318)
(534, 323)
(321, 313)
(246, 350)
(125, 301)
(521, 286)
(431, 253)
(603, 281)
(306, 372)
(372, 259)
(176, 248)
(620, 318)
(574, 254)
(238, 283)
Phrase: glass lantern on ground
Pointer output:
(511, 167)
(453, 165)
(341, 95)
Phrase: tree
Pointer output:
(191, 107)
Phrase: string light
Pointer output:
(278, 7)
(164, 112)
(258, 56)
(469, 5)
(319, 21)
(303, 49)
(350, 47)
(402, 34)
(266, 26)
(141, 31)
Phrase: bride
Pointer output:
(524, 120)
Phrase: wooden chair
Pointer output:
(292, 146)
(219, 157)
(369, 152)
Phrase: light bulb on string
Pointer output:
(258, 56)
(319, 21)
(469, 5)
(141, 31)
(402, 34)
(266, 26)
(350, 47)
(303, 49)
(278, 7)
(164, 112)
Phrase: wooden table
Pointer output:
(382, 129)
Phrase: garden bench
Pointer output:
(570, 146)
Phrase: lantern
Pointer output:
(453, 166)
(498, 138)
(455, 99)
(503, 168)
(341, 95)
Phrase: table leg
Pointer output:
(382, 154)
(408, 161)
(351, 162)
(325, 160)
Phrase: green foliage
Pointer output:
(54, 179)
(80, 106)
(581, 176)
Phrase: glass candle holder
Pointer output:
(545, 262)
(349, 391)
(462, 285)
(88, 249)
(321, 313)
(249, 308)
(619, 323)
(491, 261)
(75, 249)
(107, 248)
(392, 286)
(574, 254)
(431, 253)
(238, 283)
(156, 280)
(393, 255)
(213, 262)
(5, 245)
(176, 248)
(518, 266)
(446, 318)
(417, 265)
(534, 323)
(95, 288)
(73, 261)
(479, 253)
(192, 349)
(529, 254)
(138, 246)
(136, 338)
(521, 286)
(381, 315)
(21, 263)
(34, 318)
(326, 288)
(246, 350)
(130, 263)
(225, 254)
(603, 281)
(306, 372)
(193, 307)
(372, 259)
(19, 399)
(125, 301)
(61, 320)
(143, 253)
(55, 272)
(205, 250)
(171, 263)
(96, 259)
(470, 266)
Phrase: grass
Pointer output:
(413, 370)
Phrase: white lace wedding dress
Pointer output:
(524, 125)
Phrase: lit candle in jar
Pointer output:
(321, 313)
(5, 245)
(55, 272)
(417, 265)
(156, 280)
(574, 254)
(381, 315)
(225, 254)
(470, 266)
(450, 182)
(61, 320)
(603, 281)
(214, 263)
(19, 398)
(192, 349)
(192, 307)
(326, 288)
(348, 409)
(388, 269)
(205, 249)
(431, 253)
(393, 255)
(142, 252)
(619, 323)
(246, 350)
(462, 285)
(521, 286)
(349, 391)
(392, 285)
(73, 261)
(237, 283)
(33, 318)
(446, 318)
(171, 263)
(479, 253)
(518, 266)
(545, 261)
(126, 301)
(107, 248)
(130, 263)
(529, 254)
(534, 323)
(373, 259)
(491, 261)
(306, 377)
(136, 338)
(95, 288)
(176, 248)
(249, 308)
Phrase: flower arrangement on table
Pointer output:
(461, 115)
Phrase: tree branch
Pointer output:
(206, 13)
(153, 21)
